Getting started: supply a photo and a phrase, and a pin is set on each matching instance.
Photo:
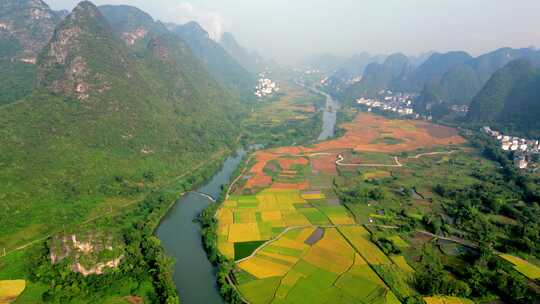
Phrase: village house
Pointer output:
(387, 100)
(523, 148)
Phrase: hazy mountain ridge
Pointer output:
(351, 70)
(133, 26)
(218, 61)
(511, 98)
(379, 76)
(461, 83)
(251, 61)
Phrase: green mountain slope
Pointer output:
(25, 28)
(103, 127)
(222, 66)
(434, 68)
(461, 83)
(511, 98)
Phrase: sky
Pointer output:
(292, 30)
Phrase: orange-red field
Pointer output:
(362, 135)
(367, 133)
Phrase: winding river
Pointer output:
(180, 235)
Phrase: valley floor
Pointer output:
(297, 236)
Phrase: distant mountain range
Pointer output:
(326, 63)
(459, 84)
(499, 86)
(379, 76)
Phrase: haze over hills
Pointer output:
(351, 70)
(137, 28)
(251, 61)
(219, 62)
(379, 76)
(133, 26)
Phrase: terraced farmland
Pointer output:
(292, 239)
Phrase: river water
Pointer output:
(180, 235)
(329, 116)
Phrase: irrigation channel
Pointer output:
(180, 235)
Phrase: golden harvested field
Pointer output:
(10, 290)
(244, 232)
(447, 300)
(332, 253)
(359, 237)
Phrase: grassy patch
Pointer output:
(245, 249)
(387, 140)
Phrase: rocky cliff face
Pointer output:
(83, 58)
(28, 24)
(135, 27)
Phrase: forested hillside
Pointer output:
(25, 27)
(222, 65)
(463, 81)
(510, 99)
(103, 126)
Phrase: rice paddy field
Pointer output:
(294, 241)
(527, 269)
(10, 290)
(446, 300)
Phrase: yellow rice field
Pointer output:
(447, 300)
(529, 270)
(10, 290)
(359, 237)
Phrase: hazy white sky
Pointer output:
(288, 30)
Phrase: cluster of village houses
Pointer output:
(265, 87)
(387, 100)
(524, 149)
